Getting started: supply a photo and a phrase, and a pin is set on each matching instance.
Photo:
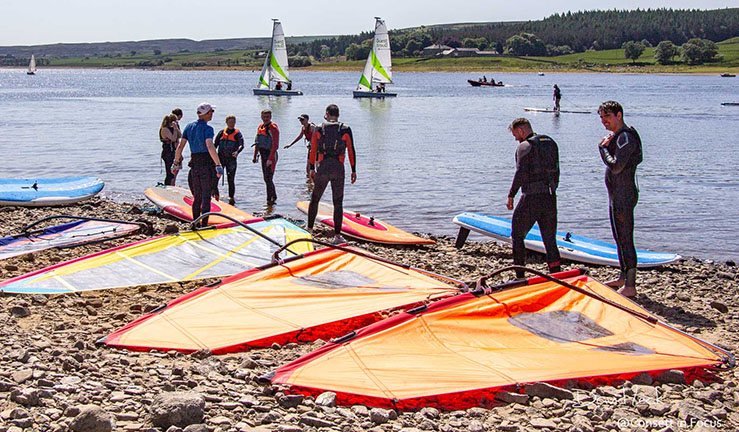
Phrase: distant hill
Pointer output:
(99, 49)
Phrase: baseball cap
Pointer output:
(204, 108)
(303, 117)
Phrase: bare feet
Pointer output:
(628, 292)
(616, 283)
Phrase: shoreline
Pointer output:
(51, 366)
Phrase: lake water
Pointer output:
(440, 148)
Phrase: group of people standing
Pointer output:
(215, 155)
(537, 176)
(331, 142)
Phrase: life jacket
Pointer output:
(167, 144)
(637, 156)
(543, 175)
(330, 143)
(263, 139)
(557, 93)
(228, 143)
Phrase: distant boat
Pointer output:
(730, 103)
(275, 67)
(728, 75)
(541, 73)
(32, 66)
(379, 67)
(491, 83)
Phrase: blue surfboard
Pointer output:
(571, 246)
(38, 192)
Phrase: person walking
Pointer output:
(205, 167)
(229, 143)
(169, 135)
(330, 143)
(621, 152)
(556, 96)
(537, 175)
(306, 131)
(266, 144)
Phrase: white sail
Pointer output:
(275, 65)
(379, 68)
(32, 65)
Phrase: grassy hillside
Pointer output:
(596, 61)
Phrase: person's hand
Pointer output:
(606, 139)
(176, 168)
(219, 171)
(509, 203)
(354, 177)
(235, 154)
(269, 163)
(312, 175)
(254, 160)
(287, 146)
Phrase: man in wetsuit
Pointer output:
(205, 167)
(556, 97)
(229, 143)
(266, 144)
(537, 175)
(329, 143)
(306, 131)
(621, 152)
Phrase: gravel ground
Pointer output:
(53, 377)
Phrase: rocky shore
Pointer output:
(54, 378)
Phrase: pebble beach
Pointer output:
(53, 377)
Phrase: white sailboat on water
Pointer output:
(379, 68)
(32, 66)
(275, 67)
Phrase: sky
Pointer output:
(36, 22)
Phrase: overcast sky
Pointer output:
(33, 22)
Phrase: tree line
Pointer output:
(558, 34)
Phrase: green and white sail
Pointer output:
(275, 65)
(379, 67)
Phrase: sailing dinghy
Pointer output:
(32, 66)
(379, 67)
(275, 67)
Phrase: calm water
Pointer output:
(439, 149)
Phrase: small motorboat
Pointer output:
(541, 73)
(728, 75)
(479, 83)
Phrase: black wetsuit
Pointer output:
(226, 148)
(621, 156)
(537, 175)
(330, 141)
(168, 152)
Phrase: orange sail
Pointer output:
(319, 295)
(457, 352)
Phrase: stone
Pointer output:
(510, 397)
(544, 390)
(92, 418)
(196, 428)
(360, 410)
(22, 375)
(289, 428)
(171, 229)
(315, 421)
(290, 401)
(327, 399)
(221, 421)
(582, 423)
(672, 376)
(177, 409)
(708, 396)
(541, 423)
(381, 415)
(26, 397)
(690, 410)
(658, 409)
(20, 311)
(642, 378)
(476, 426)
(720, 306)
(430, 413)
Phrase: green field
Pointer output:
(595, 61)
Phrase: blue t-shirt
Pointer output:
(196, 133)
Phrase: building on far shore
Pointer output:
(435, 49)
(466, 52)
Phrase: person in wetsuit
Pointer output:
(229, 143)
(556, 97)
(169, 135)
(205, 167)
(266, 144)
(621, 152)
(306, 131)
(537, 175)
(329, 143)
